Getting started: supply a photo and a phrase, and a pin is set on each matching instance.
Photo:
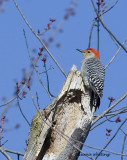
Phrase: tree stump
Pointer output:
(56, 131)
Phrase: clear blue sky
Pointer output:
(75, 34)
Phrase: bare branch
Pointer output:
(62, 21)
(2, 150)
(116, 110)
(111, 138)
(36, 35)
(115, 114)
(14, 152)
(111, 6)
(5, 110)
(115, 54)
(100, 15)
(33, 100)
(13, 97)
(106, 5)
(94, 21)
(22, 112)
(125, 136)
(111, 107)
(47, 77)
(105, 150)
(36, 69)
(107, 28)
(37, 100)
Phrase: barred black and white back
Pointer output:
(93, 73)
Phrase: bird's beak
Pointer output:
(79, 50)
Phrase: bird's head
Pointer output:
(90, 53)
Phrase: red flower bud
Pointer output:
(52, 20)
(108, 130)
(98, 3)
(39, 53)
(3, 118)
(23, 82)
(118, 120)
(107, 134)
(41, 49)
(44, 59)
(111, 99)
(23, 94)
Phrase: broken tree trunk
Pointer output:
(56, 131)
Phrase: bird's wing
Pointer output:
(96, 73)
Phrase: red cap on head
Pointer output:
(94, 51)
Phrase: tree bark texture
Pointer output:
(56, 131)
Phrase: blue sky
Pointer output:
(75, 34)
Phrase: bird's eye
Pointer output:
(88, 51)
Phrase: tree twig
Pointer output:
(22, 112)
(37, 100)
(106, 5)
(105, 150)
(116, 110)
(47, 80)
(14, 152)
(111, 107)
(2, 150)
(59, 26)
(111, 138)
(36, 35)
(90, 35)
(98, 29)
(95, 19)
(107, 119)
(36, 69)
(115, 54)
(8, 102)
(111, 7)
(125, 136)
(107, 28)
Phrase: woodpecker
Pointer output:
(93, 73)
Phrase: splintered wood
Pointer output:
(58, 136)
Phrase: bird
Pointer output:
(93, 74)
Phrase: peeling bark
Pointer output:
(69, 114)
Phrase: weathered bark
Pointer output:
(70, 114)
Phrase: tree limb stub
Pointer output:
(69, 119)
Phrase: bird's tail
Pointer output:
(95, 100)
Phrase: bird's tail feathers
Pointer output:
(95, 100)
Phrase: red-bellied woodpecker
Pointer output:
(93, 73)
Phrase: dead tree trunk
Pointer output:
(56, 131)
